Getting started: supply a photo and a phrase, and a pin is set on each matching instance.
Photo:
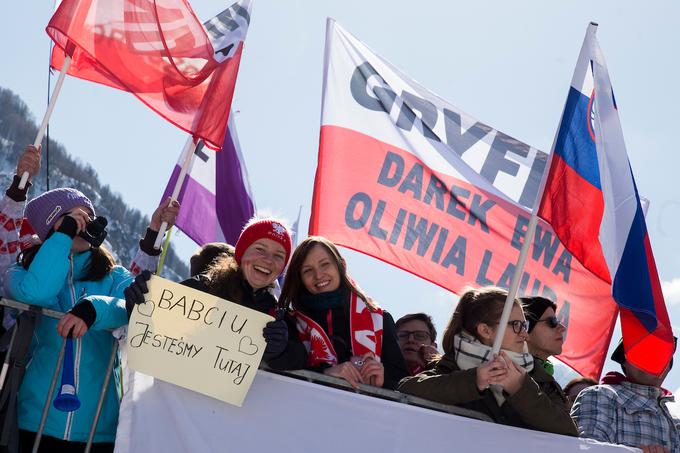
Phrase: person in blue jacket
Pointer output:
(66, 273)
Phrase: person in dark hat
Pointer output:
(545, 337)
(546, 332)
(629, 409)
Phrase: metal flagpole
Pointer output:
(48, 113)
(47, 132)
(48, 400)
(524, 251)
(8, 354)
(102, 394)
(528, 238)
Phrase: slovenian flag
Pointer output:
(592, 202)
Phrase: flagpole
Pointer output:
(519, 269)
(166, 244)
(188, 153)
(48, 113)
(524, 251)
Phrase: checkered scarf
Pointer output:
(470, 353)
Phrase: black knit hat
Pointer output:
(619, 355)
(534, 307)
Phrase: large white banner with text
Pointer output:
(288, 415)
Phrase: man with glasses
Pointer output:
(545, 338)
(417, 339)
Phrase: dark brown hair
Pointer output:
(101, 262)
(226, 279)
(476, 306)
(206, 255)
(293, 286)
(577, 381)
(424, 317)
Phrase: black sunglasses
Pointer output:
(552, 321)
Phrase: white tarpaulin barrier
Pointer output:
(290, 415)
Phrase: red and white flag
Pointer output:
(406, 177)
(160, 52)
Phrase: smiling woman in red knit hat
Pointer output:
(248, 279)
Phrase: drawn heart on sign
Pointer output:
(246, 346)
(147, 308)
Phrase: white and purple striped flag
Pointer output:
(216, 198)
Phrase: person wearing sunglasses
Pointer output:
(470, 376)
(546, 332)
(417, 339)
(546, 337)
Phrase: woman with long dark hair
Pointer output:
(347, 335)
(468, 375)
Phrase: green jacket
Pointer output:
(539, 403)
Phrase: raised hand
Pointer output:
(81, 217)
(29, 161)
(165, 212)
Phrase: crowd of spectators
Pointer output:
(323, 321)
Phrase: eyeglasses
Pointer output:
(519, 326)
(552, 321)
(418, 335)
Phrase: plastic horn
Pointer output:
(67, 399)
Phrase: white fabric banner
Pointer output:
(289, 415)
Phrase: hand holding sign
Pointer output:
(276, 335)
(196, 340)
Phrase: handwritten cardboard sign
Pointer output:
(196, 340)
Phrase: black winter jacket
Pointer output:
(294, 357)
(391, 358)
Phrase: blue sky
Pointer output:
(507, 63)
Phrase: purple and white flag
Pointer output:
(216, 198)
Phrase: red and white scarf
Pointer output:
(366, 331)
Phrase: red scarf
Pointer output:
(365, 326)
(616, 378)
